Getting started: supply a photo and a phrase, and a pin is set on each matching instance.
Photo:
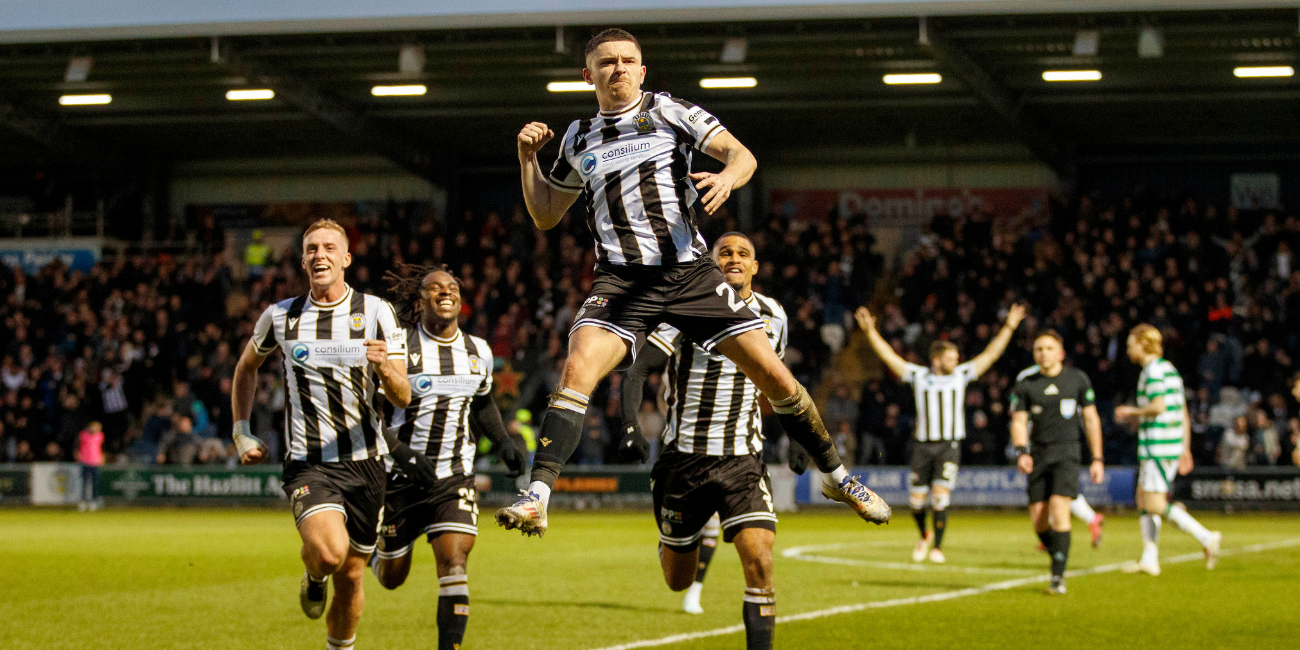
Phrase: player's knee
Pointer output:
(327, 559)
(452, 565)
(916, 500)
(940, 501)
(390, 577)
(758, 569)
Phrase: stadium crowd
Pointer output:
(146, 344)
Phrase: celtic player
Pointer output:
(1163, 435)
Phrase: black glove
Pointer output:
(509, 454)
(414, 465)
(633, 446)
(799, 458)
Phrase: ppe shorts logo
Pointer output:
(596, 301)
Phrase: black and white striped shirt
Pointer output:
(712, 407)
(330, 414)
(446, 375)
(940, 401)
(633, 165)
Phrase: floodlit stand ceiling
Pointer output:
(819, 89)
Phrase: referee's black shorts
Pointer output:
(693, 297)
(353, 487)
(1055, 474)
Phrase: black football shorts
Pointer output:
(411, 511)
(353, 487)
(632, 301)
(1053, 475)
(935, 463)
(689, 488)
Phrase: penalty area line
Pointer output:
(942, 596)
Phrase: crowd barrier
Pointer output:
(616, 486)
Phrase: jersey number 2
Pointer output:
(733, 301)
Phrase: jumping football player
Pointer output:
(451, 393)
(1164, 437)
(632, 163)
(940, 392)
(1054, 399)
(340, 346)
(710, 477)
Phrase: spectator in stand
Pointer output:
(180, 445)
(90, 453)
(1265, 446)
(1235, 444)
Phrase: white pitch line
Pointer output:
(946, 595)
(802, 553)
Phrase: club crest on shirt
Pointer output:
(644, 123)
(358, 321)
(475, 364)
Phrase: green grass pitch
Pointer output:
(227, 579)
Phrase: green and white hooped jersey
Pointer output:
(1161, 437)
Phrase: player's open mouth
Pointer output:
(320, 268)
(445, 303)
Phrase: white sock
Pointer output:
(542, 490)
(693, 592)
(1080, 509)
(1188, 524)
(339, 644)
(1150, 537)
(838, 475)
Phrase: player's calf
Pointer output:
(453, 609)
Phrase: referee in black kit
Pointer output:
(1054, 399)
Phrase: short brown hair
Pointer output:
(325, 224)
(939, 347)
(609, 36)
(1149, 338)
(1051, 334)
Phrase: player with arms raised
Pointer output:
(1054, 399)
(451, 393)
(632, 163)
(340, 346)
(711, 476)
(940, 393)
(1164, 449)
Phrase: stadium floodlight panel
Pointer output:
(569, 86)
(250, 94)
(85, 100)
(399, 91)
(921, 78)
(728, 82)
(1072, 75)
(1264, 71)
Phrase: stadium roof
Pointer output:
(819, 93)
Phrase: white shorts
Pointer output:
(1157, 475)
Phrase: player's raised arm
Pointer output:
(740, 167)
(985, 360)
(546, 203)
(243, 389)
(867, 322)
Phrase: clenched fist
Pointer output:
(532, 138)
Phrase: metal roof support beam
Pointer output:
(998, 97)
(401, 150)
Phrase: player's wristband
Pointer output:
(1021, 450)
(244, 439)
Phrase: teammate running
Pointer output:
(340, 346)
(710, 476)
(940, 392)
(632, 163)
(1050, 397)
(451, 393)
(1164, 436)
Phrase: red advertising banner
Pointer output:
(898, 208)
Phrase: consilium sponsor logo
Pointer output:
(628, 149)
(588, 163)
(300, 352)
(422, 384)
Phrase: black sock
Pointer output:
(940, 523)
(556, 440)
(760, 618)
(707, 546)
(919, 516)
(1045, 539)
(801, 421)
(1060, 550)
(453, 611)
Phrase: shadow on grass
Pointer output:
(573, 603)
